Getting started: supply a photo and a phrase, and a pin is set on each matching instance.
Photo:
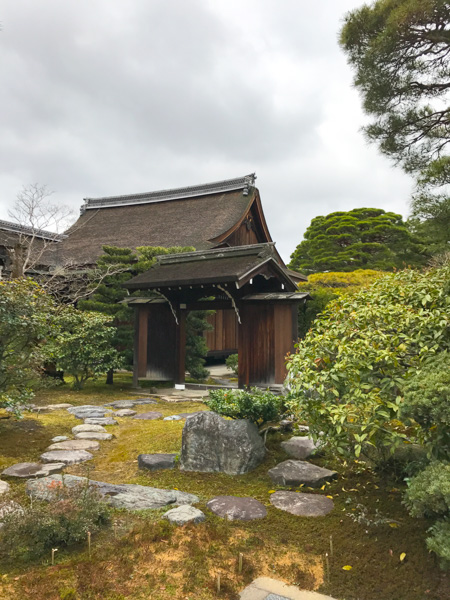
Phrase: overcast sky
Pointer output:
(106, 97)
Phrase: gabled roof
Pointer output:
(19, 230)
(222, 265)
(197, 216)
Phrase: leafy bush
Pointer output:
(347, 375)
(439, 541)
(427, 401)
(196, 348)
(66, 520)
(232, 363)
(25, 323)
(428, 493)
(258, 406)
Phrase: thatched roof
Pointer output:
(193, 216)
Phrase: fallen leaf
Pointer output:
(272, 491)
(330, 497)
(393, 525)
(347, 568)
(402, 556)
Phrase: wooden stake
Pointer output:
(53, 555)
(115, 529)
(89, 543)
(327, 563)
(331, 545)
(218, 583)
(240, 562)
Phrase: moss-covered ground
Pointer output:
(139, 557)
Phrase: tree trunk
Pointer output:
(110, 377)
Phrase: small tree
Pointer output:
(83, 347)
(25, 323)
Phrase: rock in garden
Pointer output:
(211, 443)
(142, 401)
(125, 412)
(42, 409)
(154, 462)
(75, 445)
(234, 508)
(61, 406)
(101, 421)
(149, 416)
(59, 438)
(68, 457)
(173, 418)
(93, 435)
(88, 428)
(32, 470)
(297, 472)
(128, 496)
(302, 505)
(189, 415)
(91, 414)
(184, 514)
(300, 447)
(87, 407)
(4, 487)
(122, 404)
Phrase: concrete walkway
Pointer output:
(265, 588)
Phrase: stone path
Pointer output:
(236, 508)
(302, 505)
(265, 588)
(298, 472)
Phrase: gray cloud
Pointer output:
(108, 97)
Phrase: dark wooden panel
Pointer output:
(224, 336)
(142, 340)
(284, 342)
(161, 343)
(256, 345)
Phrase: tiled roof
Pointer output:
(25, 230)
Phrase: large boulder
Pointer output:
(127, 496)
(211, 443)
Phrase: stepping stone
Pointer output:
(68, 457)
(122, 404)
(93, 435)
(300, 447)
(91, 414)
(33, 470)
(234, 508)
(59, 438)
(184, 514)
(88, 428)
(42, 410)
(144, 401)
(125, 412)
(128, 496)
(149, 416)
(75, 445)
(101, 421)
(4, 487)
(266, 588)
(302, 505)
(297, 472)
(154, 462)
(173, 418)
(87, 407)
(61, 406)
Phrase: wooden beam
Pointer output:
(136, 349)
(180, 348)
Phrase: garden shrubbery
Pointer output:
(31, 533)
(256, 405)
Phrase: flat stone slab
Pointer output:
(122, 403)
(87, 407)
(149, 416)
(189, 415)
(88, 428)
(91, 414)
(298, 472)
(266, 588)
(33, 470)
(184, 514)
(302, 505)
(61, 406)
(143, 401)
(235, 508)
(59, 438)
(125, 412)
(68, 457)
(100, 421)
(93, 435)
(75, 445)
(154, 462)
(173, 418)
(127, 496)
(300, 447)
(4, 487)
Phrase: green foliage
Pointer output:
(428, 493)
(439, 541)
(399, 50)
(256, 405)
(362, 238)
(83, 345)
(196, 348)
(347, 375)
(146, 255)
(232, 363)
(427, 401)
(32, 533)
(308, 312)
(25, 323)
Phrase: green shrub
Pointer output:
(257, 406)
(30, 534)
(427, 401)
(428, 493)
(232, 363)
(347, 375)
(439, 541)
